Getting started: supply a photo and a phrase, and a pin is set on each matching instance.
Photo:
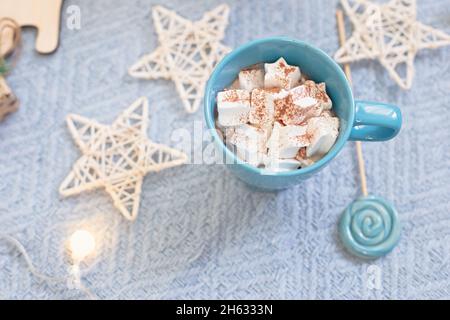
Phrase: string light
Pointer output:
(82, 244)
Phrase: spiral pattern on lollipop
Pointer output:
(369, 227)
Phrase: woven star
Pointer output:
(390, 33)
(117, 157)
(187, 52)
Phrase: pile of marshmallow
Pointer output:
(272, 117)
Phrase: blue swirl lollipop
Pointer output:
(369, 227)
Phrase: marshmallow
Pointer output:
(262, 106)
(233, 107)
(273, 144)
(281, 75)
(285, 142)
(323, 132)
(250, 79)
(277, 119)
(304, 102)
(290, 113)
(282, 165)
(250, 143)
(225, 133)
(235, 85)
(261, 112)
(305, 95)
(292, 138)
(323, 97)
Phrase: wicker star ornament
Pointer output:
(187, 52)
(117, 157)
(390, 33)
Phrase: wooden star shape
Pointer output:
(187, 52)
(117, 157)
(390, 33)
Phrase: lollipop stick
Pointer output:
(347, 71)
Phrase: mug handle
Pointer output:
(375, 121)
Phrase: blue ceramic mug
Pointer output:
(359, 120)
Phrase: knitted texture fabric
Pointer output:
(201, 232)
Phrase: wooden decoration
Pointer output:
(8, 101)
(44, 15)
(187, 53)
(390, 33)
(117, 157)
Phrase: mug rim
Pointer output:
(209, 112)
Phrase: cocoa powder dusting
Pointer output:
(258, 110)
(283, 108)
(233, 96)
(286, 69)
(273, 90)
(321, 95)
(288, 113)
(316, 91)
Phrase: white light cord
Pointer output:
(73, 280)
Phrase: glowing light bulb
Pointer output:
(82, 244)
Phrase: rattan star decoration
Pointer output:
(117, 157)
(187, 52)
(390, 33)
